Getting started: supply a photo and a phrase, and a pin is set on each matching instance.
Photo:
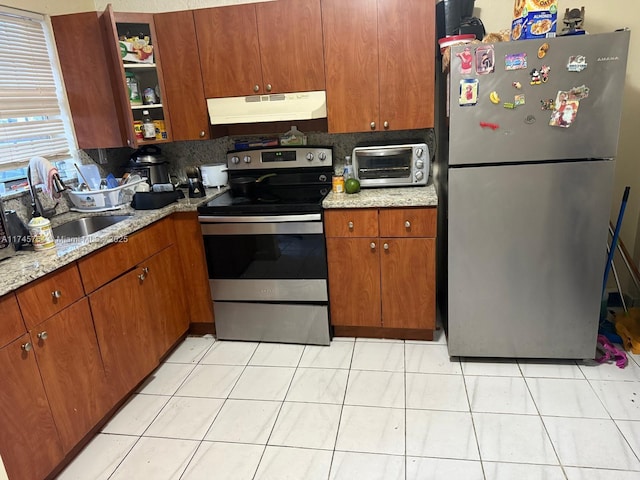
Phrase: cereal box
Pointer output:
(534, 19)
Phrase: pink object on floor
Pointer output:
(610, 352)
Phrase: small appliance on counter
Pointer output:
(7, 248)
(397, 164)
(214, 174)
(196, 187)
(148, 162)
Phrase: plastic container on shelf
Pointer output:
(106, 198)
(134, 89)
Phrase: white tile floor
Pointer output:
(370, 410)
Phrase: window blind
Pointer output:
(32, 122)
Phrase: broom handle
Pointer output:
(614, 241)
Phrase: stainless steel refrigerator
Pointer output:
(533, 133)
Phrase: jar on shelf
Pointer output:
(148, 127)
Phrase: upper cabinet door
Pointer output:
(92, 103)
(351, 64)
(229, 51)
(406, 33)
(184, 91)
(290, 33)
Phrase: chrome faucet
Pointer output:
(36, 206)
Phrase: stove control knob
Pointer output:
(419, 176)
(235, 160)
(322, 156)
(310, 156)
(419, 152)
(419, 164)
(246, 159)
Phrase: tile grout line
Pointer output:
(473, 422)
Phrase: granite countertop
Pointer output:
(384, 197)
(28, 265)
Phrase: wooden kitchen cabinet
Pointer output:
(29, 441)
(11, 324)
(50, 294)
(68, 356)
(379, 63)
(382, 271)
(184, 90)
(150, 75)
(85, 71)
(270, 47)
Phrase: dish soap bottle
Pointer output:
(148, 127)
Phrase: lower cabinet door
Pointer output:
(354, 281)
(29, 440)
(164, 282)
(408, 282)
(69, 360)
(122, 319)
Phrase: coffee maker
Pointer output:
(194, 178)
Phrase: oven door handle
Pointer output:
(307, 217)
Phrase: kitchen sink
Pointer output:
(85, 226)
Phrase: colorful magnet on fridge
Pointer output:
(492, 126)
(577, 63)
(517, 85)
(515, 61)
(542, 51)
(466, 61)
(544, 73)
(536, 77)
(509, 105)
(485, 60)
(518, 100)
(468, 92)
(548, 104)
(494, 97)
(578, 93)
(565, 112)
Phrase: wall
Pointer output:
(51, 7)
(602, 17)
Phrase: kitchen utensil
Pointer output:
(246, 186)
(148, 162)
(85, 181)
(214, 174)
(91, 174)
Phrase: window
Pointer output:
(33, 116)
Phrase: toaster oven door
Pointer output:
(384, 165)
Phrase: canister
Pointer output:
(41, 234)
(337, 184)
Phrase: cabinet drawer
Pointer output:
(47, 296)
(11, 325)
(357, 222)
(408, 222)
(110, 262)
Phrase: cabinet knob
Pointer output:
(385, 246)
(144, 274)
(350, 225)
(268, 87)
(385, 124)
(373, 125)
(27, 346)
(256, 88)
(43, 335)
(407, 224)
(56, 294)
(373, 245)
(201, 133)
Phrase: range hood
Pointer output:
(268, 108)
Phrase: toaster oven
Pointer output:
(400, 165)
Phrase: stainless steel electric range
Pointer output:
(265, 246)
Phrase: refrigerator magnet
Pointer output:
(515, 61)
(542, 51)
(518, 100)
(466, 61)
(468, 92)
(565, 112)
(577, 63)
(485, 60)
